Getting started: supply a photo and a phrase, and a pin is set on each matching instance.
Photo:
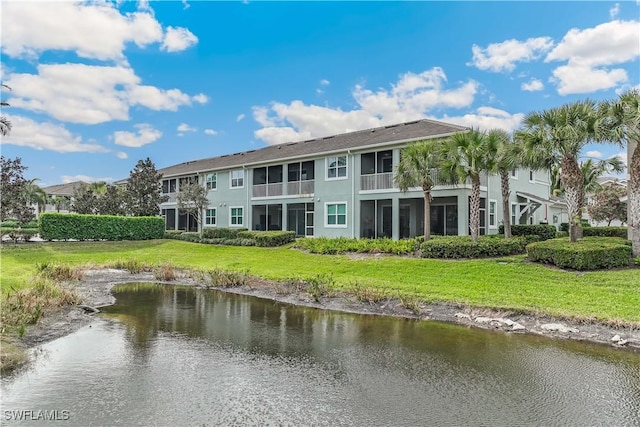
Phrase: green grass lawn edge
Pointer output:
(509, 283)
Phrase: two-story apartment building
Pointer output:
(343, 185)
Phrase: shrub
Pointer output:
(16, 233)
(564, 226)
(560, 234)
(269, 238)
(99, 227)
(589, 253)
(456, 247)
(59, 272)
(620, 232)
(543, 231)
(172, 234)
(221, 233)
(164, 272)
(340, 245)
(227, 278)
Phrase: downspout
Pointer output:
(353, 195)
(246, 175)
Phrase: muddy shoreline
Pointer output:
(95, 291)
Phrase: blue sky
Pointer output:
(98, 86)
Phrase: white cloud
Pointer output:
(532, 86)
(410, 98)
(503, 56)
(96, 30)
(240, 117)
(47, 136)
(583, 79)
(589, 52)
(122, 155)
(146, 135)
(200, 98)
(210, 132)
(89, 94)
(487, 118)
(183, 127)
(614, 11)
(185, 5)
(594, 154)
(324, 82)
(66, 179)
(610, 43)
(177, 39)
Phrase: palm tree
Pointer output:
(5, 123)
(556, 137)
(34, 194)
(415, 169)
(622, 125)
(507, 158)
(467, 156)
(99, 188)
(594, 169)
(59, 202)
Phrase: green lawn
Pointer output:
(508, 283)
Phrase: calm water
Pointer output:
(174, 356)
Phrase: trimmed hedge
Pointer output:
(55, 226)
(620, 232)
(457, 247)
(543, 231)
(269, 238)
(221, 233)
(589, 253)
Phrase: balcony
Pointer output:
(376, 181)
(297, 188)
(267, 190)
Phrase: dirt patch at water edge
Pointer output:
(95, 291)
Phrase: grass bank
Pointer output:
(505, 283)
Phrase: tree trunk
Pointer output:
(506, 211)
(475, 207)
(573, 184)
(633, 199)
(427, 213)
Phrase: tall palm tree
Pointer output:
(622, 126)
(467, 156)
(507, 158)
(557, 136)
(415, 169)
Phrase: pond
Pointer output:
(171, 355)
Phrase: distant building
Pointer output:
(59, 197)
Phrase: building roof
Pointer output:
(403, 132)
(63, 189)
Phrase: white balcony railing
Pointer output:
(377, 181)
(267, 190)
(300, 187)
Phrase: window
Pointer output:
(336, 214)
(237, 178)
(302, 171)
(514, 173)
(212, 181)
(337, 167)
(514, 213)
(532, 177)
(492, 213)
(210, 217)
(168, 186)
(236, 217)
(187, 180)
